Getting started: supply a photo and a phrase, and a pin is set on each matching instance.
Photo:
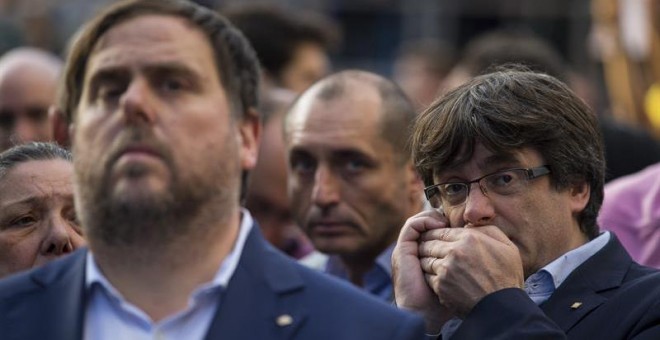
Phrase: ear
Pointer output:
(579, 195)
(59, 127)
(250, 133)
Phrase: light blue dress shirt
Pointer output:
(109, 316)
(377, 281)
(540, 285)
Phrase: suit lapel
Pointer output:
(264, 297)
(582, 291)
(56, 301)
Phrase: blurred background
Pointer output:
(611, 46)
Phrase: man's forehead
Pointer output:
(147, 26)
(346, 110)
(156, 37)
(38, 179)
(150, 40)
(486, 159)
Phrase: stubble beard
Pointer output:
(151, 221)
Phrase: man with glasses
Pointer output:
(505, 182)
(513, 164)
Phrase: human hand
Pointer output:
(411, 291)
(463, 265)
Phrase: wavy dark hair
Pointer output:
(509, 110)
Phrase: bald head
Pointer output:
(27, 57)
(28, 85)
(396, 112)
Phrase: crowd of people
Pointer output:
(194, 173)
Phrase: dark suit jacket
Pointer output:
(49, 303)
(607, 297)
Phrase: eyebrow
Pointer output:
(497, 160)
(35, 200)
(335, 154)
(488, 164)
(175, 68)
(121, 73)
(350, 153)
(107, 74)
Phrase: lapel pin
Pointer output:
(284, 320)
(576, 305)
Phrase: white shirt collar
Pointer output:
(221, 279)
(563, 266)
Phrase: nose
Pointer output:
(479, 209)
(60, 238)
(326, 188)
(138, 102)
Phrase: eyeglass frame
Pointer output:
(531, 173)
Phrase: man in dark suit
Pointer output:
(161, 97)
(513, 163)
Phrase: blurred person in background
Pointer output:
(28, 84)
(420, 68)
(38, 221)
(351, 182)
(625, 39)
(266, 196)
(293, 46)
(293, 49)
(631, 209)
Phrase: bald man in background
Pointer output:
(28, 83)
(351, 181)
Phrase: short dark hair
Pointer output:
(235, 59)
(34, 151)
(398, 113)
(508, 110)
(275, 33)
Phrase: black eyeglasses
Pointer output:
(504, 182)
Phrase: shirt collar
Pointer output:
(384, 260)
(221, 279)
(563, 266)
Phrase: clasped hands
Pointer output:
(441, 272)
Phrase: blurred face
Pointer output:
(418, 80)
(309, 64)
(154, 139)
(25, 95)
(267, 197)
(37, 219)
(540, 220)
(348, 191)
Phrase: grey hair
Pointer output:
(34, 151)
